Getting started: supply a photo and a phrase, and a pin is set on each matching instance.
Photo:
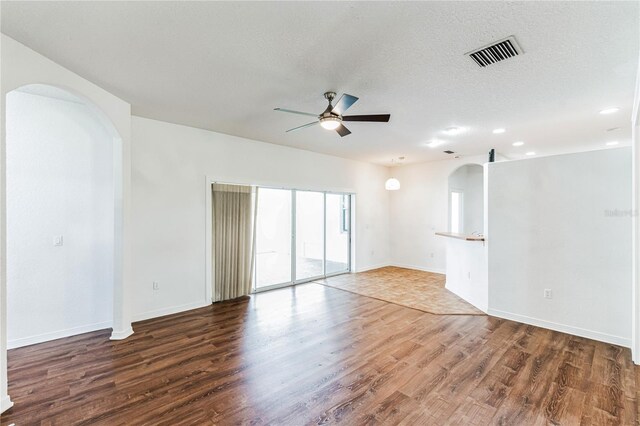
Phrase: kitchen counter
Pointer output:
(466, 237)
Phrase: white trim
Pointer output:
(121, 334)
(5, 403)
(563, 328)
(635, 220)
(293, 258)
(170, 310)
(208, 240)
(420, 268)
(45, 337)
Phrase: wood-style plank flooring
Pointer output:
(318, 355)
(420, 290)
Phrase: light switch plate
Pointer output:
(58, 241)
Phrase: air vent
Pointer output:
(449, 152)
(496, 52)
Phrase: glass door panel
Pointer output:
(309, 234)
(337, 240)
(273, 237)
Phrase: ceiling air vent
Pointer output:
(496, 52)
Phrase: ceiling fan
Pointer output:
(332, 118)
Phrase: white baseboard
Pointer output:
(170, 310)
(59, 334)
(371, 267)
(419, 268)
(5, 403)
(576, 331)
(121, 334)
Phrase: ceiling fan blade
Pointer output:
(295, 112)
(343, 131)
(303, 126)
(343, 104)
(383, 118)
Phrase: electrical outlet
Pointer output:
(156, 285)
(547, 293)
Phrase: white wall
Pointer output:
(467, 271)
(170, 163)
(20, 66)
(548, 227)
(420, 209)
(59, 182)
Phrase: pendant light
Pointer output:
(392, 184)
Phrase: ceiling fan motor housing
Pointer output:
(330, 96)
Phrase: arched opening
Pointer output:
(63, 222)
(466, 200)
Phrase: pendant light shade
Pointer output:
(392, 184)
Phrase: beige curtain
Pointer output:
(233, 240)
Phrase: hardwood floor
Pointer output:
(314, 355)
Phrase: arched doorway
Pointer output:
(466, 199)
(60, 216)
(21, 67)
(120, 315)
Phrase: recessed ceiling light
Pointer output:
(452, 131)
(519, 143)
(498, 131)
(612, 143)
(610, 110)
(531, 153)
(434, 143)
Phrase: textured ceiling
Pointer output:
(225, 66)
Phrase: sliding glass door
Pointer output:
(301, 236)
(309, 235)
(273, 238)
(338, 218)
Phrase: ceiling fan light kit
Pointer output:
(332, 117)
(330, 122)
